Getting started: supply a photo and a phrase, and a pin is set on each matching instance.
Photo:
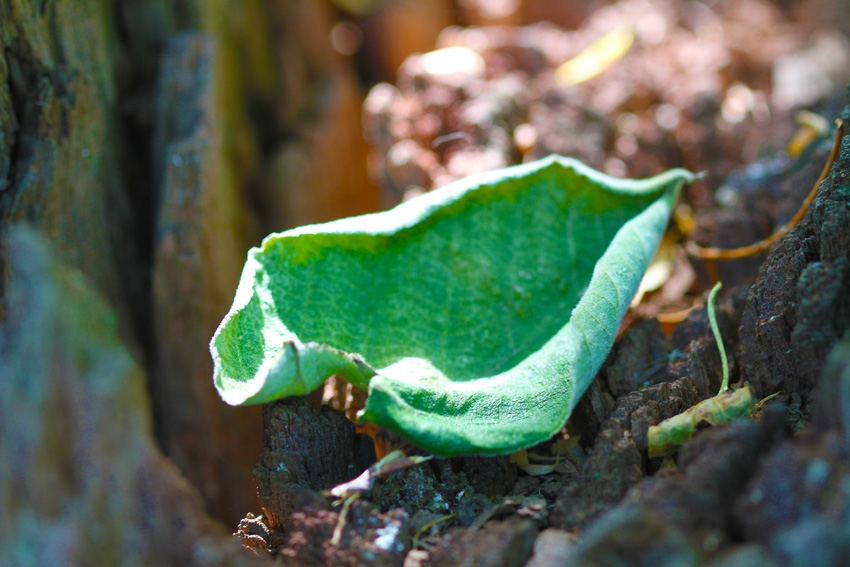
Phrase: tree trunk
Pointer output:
(134, 136)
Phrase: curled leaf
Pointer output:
(726, 407)
(475, 315)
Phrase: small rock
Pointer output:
(635, 536)
(745, 556)
(499, 544)
(416, 558)
(814, 542)
(800, 481)
(552, 547)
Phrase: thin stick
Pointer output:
(427, 527)
(340, 524)
(763, 245)
(715, 329)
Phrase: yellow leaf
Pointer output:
(596, 58)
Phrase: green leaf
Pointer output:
(475, 315)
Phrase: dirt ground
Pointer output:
(713, 87)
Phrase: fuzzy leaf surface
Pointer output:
(475, 315)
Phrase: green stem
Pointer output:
(715, 328)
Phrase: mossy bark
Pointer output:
(134, 136)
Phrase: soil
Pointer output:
(771, 490)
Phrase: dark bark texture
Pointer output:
(135, 137)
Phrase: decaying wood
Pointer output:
(83, 483)
(305, 449)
